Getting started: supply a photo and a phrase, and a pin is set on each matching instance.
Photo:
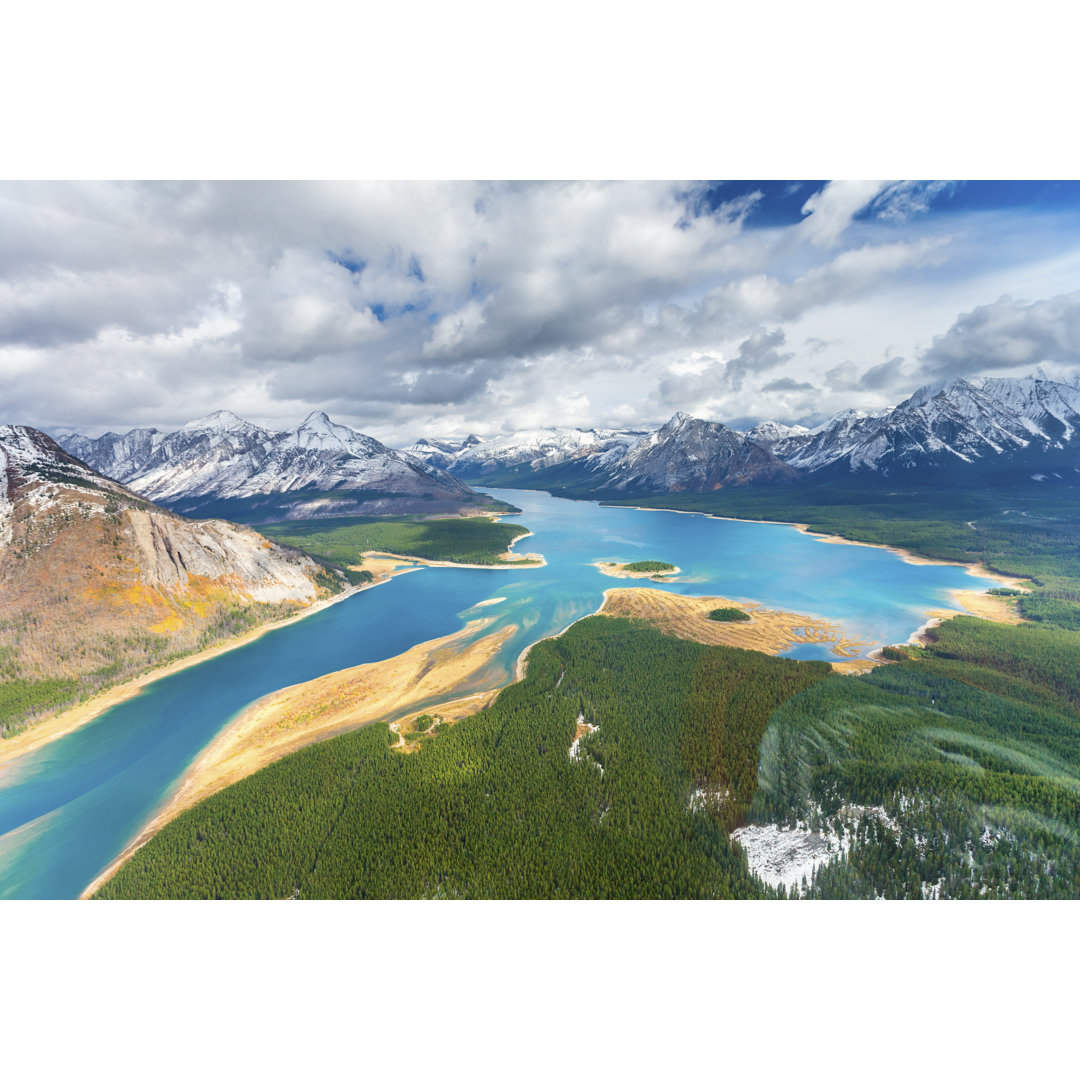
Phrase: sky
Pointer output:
(440, 309)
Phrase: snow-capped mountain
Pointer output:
(769, 432)
(688, 454)
(534, 449)
(223, 457)
(828, 442)
(1053, 407)
(945, 424)
(35, 472)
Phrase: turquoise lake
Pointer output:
(67, 809)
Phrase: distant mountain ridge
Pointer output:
(944, 425)
(536, 448)
(1026, 423)
(316, 469)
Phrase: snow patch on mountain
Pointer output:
(223, 456)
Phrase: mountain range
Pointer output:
(946, 429)
(227, 466)
(223, 464)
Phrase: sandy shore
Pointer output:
(382, 566)
(975, 569)
(1002, 609)
(618, 570)
(507, 561)
(297, 716)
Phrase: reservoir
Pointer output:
(68, 808)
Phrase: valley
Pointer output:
(739, 588)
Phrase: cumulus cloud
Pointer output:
(711, 382)
(1009, 334)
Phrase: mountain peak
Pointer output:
(679, 419)
(220, 420)
(927, 393)
(318, 421)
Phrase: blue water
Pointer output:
(68, 809)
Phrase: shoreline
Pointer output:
(769, 630)
(64, 723)
(517, 563)
(189, 782)
(398, 564)
(294, 717)
(618, 570)
(976, 569)
(984, 608)
(71, 719)
(522, 664)
(977, 605)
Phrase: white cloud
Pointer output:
(405, 308)
(1009, 334)
(832, 209)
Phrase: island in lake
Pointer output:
(646, 568)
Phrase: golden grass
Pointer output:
(55, 727)
(767, 631)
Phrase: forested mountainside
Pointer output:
(521, 800)
(98, 584)
(221, 464)
(631, 764)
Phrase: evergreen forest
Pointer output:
(340, 541)
(495, 805)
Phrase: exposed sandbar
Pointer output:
(297, 716)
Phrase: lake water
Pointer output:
(68, 809)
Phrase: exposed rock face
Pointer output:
(97, 583)
(222, 457)
(688, 454)
(946, 425)
(172, 551)
(769, 432)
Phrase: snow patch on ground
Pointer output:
(704, 798)
(779, 854)
(783, 856)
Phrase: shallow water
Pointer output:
(68, 809)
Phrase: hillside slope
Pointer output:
(98, 584)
